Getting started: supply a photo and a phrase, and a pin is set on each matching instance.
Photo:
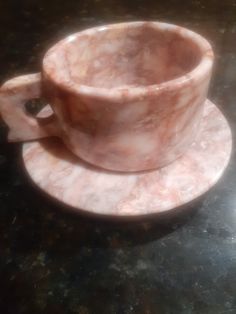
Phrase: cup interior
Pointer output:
(138, 54)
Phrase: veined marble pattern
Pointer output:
(83, 187)
(133, 99)
(125, 97)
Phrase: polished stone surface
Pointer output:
(52, 262)
(83, 187)
(107, 85)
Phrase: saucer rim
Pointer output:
(132, 215)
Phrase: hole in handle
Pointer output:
(38, 108)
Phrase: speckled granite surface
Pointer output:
(52, 262)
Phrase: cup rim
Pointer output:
(198, 73)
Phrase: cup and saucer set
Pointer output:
(128, 130)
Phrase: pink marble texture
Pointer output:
(126, 97)
(83, 187)
(13, 95)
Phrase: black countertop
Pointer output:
(54, 262)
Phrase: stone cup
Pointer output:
(124, 97)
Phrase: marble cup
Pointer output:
(125, 97)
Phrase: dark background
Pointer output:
(53, 262)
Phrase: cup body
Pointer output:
(129, 96)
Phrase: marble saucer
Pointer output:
(82, 187)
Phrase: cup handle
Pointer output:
(13, 96)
